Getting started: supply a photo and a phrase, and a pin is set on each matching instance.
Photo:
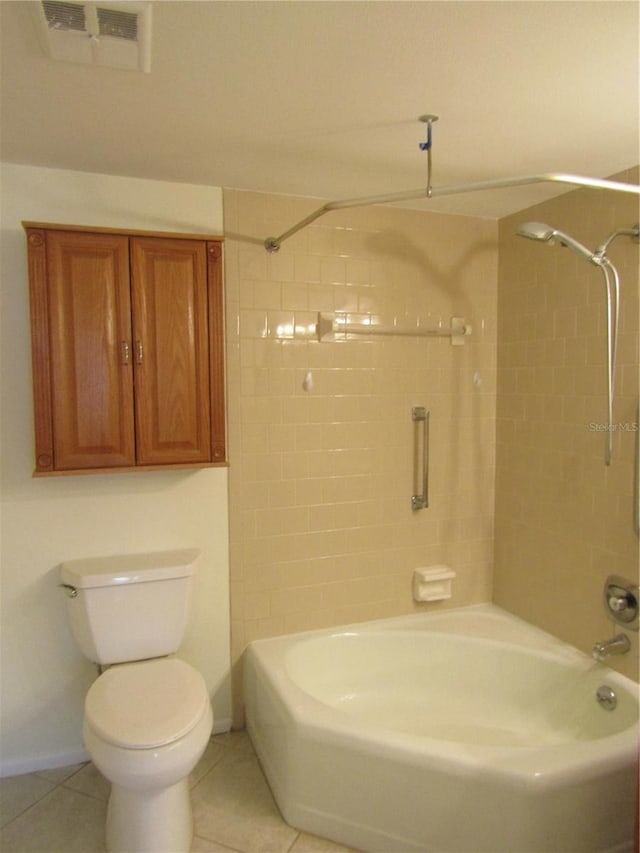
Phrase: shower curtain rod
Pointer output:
(272, 244)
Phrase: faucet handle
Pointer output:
(618, 603)
(621, 602)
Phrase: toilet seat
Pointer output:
(146, 705)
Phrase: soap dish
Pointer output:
(433, 583)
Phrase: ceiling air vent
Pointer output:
(64, 16)
(118, 24)
(117, 35)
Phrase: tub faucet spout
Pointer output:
(618, 645)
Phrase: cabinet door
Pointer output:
(171, 351)
(89, 336)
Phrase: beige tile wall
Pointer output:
(322, 531)
(564, 521)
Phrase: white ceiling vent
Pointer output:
(116, 34)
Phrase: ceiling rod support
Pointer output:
(272, 244)
(427, 146)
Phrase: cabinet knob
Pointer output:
(125, 352)
(138, 352)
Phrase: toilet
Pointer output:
(147, 717)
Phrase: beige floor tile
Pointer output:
(17, 793)
(212, 754)
(306, 843)
(234, 810)
(233, 806)
(89, 780)
(58, 774)
(63, 822)
(201, 845)
(240, 741)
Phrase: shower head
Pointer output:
(536, 231)
(547, 234)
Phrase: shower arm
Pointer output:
(272, 244)
(634, 233)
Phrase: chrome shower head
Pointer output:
(547, 234)
(536, 231)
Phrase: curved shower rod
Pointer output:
(272, 244)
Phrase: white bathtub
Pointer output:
(466, 731)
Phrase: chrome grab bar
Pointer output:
(420, 415)
(339, 324)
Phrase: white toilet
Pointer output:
(148, 716)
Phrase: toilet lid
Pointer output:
(143, 705)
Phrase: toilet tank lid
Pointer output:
(129, 568)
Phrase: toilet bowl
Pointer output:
(146, 726)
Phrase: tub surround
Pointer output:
(320, 480)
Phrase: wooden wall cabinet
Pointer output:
(128, 349)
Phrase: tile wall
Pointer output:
(322, 531)
(564, 521)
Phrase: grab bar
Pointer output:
(420, 415)
(346, 324)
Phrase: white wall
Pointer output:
(48, 520)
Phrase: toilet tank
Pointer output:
(129, 607)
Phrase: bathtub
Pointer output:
(468, 730)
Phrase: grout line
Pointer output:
(219, 844)
(293, 843)
(30, 806)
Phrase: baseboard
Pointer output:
(221, 727)
(36, 763)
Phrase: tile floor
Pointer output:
(61, 811)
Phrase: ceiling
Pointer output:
(323, 98)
